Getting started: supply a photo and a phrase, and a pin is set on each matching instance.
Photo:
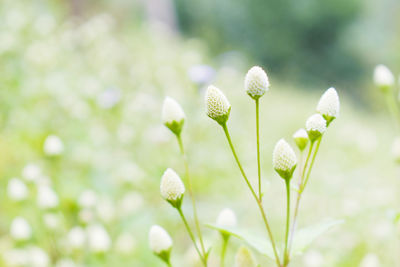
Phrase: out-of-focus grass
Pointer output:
(99, 85)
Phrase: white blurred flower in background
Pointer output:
(38, 257)
(66, 262)
(47, 198)
(16, 189)
(53, 145)
(87, 199)
(125, 243)
(370, 260)
(98, 238)
(31, 172)
(76, 238)
(20, 229)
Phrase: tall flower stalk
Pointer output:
(218, 109)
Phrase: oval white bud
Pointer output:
(20, 229)
(98, 238)
(301, 138)
(159, 240)
(256, 82)
(329, 105)
(217, 105)
(17, 190)
(383, 77)
(315, 126)
(172, 115)
(172, 187)
(284, 159)
(226, 218)
(53, 145)
(244, 258)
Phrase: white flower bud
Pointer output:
(301, 138)
(76, 238)
(159, 240)
(383, 77)
(256, 82)
(226, 218)
(17, 190)
(20, 229)
(284, 159)
(172, 115)
(172, 188)
(244, 258)
(396, 149)
(217, 105)
(329, 105)
(98, 238)
(53, 145)
(315, 126)
(47, 198)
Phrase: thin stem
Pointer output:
(223, 250)
(258, 148)
(189, 183)
(312, 163)
(394, 108)
(191, 236)
(259, 203)
(286, 253)
(168, 263)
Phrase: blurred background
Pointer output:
(83, 145)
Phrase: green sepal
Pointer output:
(328, 119)
(314, 135)
(177, 203)
(164, 255)
(301, 142)
(286, 174)
(223, 118)
(175, 126)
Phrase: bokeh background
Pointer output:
(83, 147)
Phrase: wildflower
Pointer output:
(31, 172)
(383, 77)
(20, 229)
(53, 145)
(98, 238)
(76, 238)
(244, 258)
(226, 218)
(17, 190)
(38, 257)
(301, 138)
(315, 126)
(125, 243)
(160, 242)
(329, 105)
(284, 159)
(172, 115)
(172, 188)
(217, 105)
(256, 82)
(47, 198)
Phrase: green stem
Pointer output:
(258, 148)
(191, 236)
(393, 107)
(189, 183)
(286, 254)
(312, 163)
(259, 203)
(223, 250)
(168, 263)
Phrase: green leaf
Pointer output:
(257, 241)
(304, 237)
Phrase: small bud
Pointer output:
(17, 189)
(284, 159)
(329, 105)
(244, 258)
(396, 150)
(53, 145)
(383, 78)
(226, 218)
(217, 105)
(99, 240)
(20, 229)
(160, 242)
(172, 188)
(172, 115)
(301, 138)
(256, 82)
(315, 126)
